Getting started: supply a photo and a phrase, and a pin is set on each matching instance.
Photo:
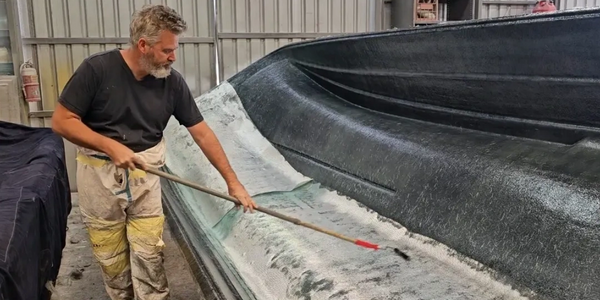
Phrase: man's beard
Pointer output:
(159, 71)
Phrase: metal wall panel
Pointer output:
(570, 4)
(307, 18)
(494, 9)
(59, 21)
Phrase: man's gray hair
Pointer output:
(151, 20)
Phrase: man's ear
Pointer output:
(142, 45)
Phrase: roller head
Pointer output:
(401, 254)
(374, 246)
(397, 251)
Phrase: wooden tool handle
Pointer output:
(275, 214)
(236, 201)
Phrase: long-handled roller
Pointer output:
(275, 214)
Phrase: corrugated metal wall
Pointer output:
(503, 8)
(569, 4)
(251, 29)
(67, 31)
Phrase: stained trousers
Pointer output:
(122, 212)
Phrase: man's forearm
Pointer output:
(211, 147)
(78, 133)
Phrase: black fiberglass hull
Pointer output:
(480, 135)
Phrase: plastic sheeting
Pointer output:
(481, 135)
(35, 202)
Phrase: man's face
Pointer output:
(158, 58)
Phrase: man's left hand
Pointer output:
(238, 191)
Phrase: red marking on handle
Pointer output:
(366, 244)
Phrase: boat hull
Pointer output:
(481, 135)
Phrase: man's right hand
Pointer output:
(124, 157)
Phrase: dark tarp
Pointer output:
(482, 135)
(35, 201)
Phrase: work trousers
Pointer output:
(123, 214)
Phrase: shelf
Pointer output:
(426, 12)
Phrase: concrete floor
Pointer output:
(80, 278)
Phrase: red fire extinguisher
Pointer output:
(544, 6)
(31, 84)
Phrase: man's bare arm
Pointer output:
(69, 125)
(211, 147)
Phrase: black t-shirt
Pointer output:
(106, 95)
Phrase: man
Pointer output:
(115, 108)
